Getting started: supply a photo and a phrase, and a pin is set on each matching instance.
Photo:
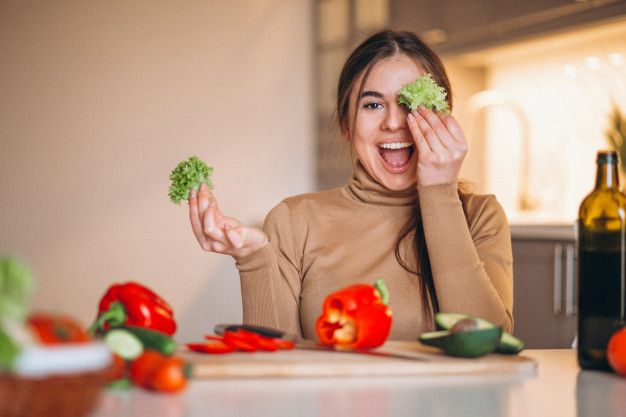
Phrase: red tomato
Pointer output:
(170, 375)
(213, 346)
(616, 352)
(143, 368)
(53, 329)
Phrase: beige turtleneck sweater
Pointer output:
(321, 242)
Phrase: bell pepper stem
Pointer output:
(382, 290)
(114, 316)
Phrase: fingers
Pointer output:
(211, 227)
(204, 197)
(196, 223)
(218, 233)
(441, 146)
(204, 215)
(441, 131)
(433, 128)
(455, 129)
(420, 141)
(237, 237)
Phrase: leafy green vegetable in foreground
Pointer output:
(187, 175)
(426, 92)
(16, 287)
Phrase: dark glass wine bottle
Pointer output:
(601, 264)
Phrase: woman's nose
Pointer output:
(395, 117)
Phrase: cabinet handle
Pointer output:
(558, 278)
(569, 281)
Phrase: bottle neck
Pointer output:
(607, 176)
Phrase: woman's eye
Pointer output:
(373, 106)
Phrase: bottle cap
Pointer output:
(607, 157)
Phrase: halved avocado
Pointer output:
(509, 344)
(465, 344)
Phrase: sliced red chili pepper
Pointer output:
(268, 344)
(214, 346)
(262, 342)
(239, 341)
(255, 339)
(214, 337)
(284, 344)
(249, 341)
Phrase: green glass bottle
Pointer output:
(601, 264)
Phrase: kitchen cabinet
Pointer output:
(545, 290)
(456, 26)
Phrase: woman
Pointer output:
(401, 217)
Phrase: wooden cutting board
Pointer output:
(316, 363)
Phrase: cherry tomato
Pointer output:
(53, 329)
(616, 352)
(143, 368)
(213, 346)
(170, 375)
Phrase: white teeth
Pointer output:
(395, 145)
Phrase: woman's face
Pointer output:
(380, 134)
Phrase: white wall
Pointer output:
(100, 100)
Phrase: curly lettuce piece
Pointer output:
(187, 175)
(426, 92)
(16, 286)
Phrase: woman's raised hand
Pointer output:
(441, 146)
(218, 233)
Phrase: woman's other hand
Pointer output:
(218, 233)
(441, 146)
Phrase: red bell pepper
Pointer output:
(133, 304)
(356, 317)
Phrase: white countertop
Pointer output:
(559, 389)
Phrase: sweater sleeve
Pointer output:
(471, 258)
(270, 277)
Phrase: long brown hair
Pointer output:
(381, 45)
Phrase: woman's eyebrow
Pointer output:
(371, 94)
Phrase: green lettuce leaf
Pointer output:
(187, 175)
(426, 92)
(16, 286)
(9, 350)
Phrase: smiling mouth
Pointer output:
(396, 155)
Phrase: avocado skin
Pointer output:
(509, 344)
(468, 344)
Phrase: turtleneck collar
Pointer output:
(362, 187)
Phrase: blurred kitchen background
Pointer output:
(100, 100)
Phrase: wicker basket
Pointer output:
(71, 395)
